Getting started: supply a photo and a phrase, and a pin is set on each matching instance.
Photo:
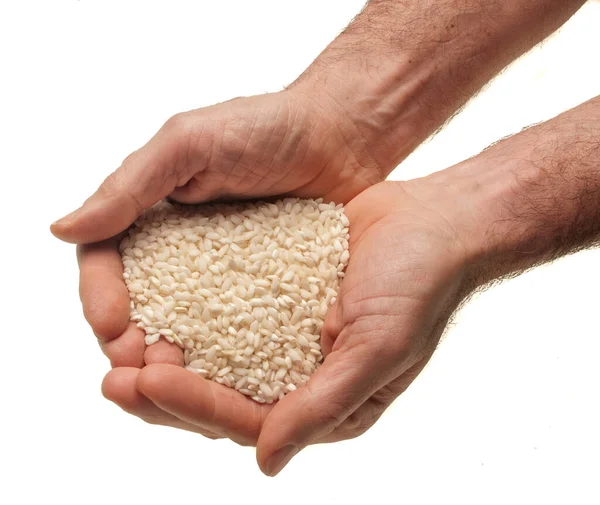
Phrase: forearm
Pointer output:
(530, 198)
(402, 68)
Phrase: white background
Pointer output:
(507, 411)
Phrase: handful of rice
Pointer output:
(242, 288)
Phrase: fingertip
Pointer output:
(277, 461)
(263, 453)
(334, 391)
(61, 229)
(202, 402)
(102, 290)
(119, 383)
(101, 217)
(96, 220)
(278, 429)
(119, 386)
(105, 307)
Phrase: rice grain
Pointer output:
(243, 288)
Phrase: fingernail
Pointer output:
(282, 457)
(65, 220)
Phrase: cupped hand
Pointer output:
(403, 281)
(280, 143)
(274, 144)
(405, 278)
(407, 274)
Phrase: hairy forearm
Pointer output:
(530, 198)
(403, 67)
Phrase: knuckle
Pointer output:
(356, 432)
(111, 184)
(327, 413)
(178, 123)
(358, 426)
(127, 163)
(382, 399)
(117, 182)
(363, 419)
(353, 422)
(332, 416)
(150, 420)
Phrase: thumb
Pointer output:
(346, 379)
(144, 178)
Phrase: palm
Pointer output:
(395, 299)
(400, 288)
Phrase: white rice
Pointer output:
(242, 288)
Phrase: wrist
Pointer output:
(380, 113)
(468, 196)
(528, 199)
(485, 199)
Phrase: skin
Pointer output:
(417, 250)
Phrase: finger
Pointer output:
(163, 352)
(203, 402)
(144, 178)
(345, 380)
(336, 389)
(355, 424)
(102, 290)
(127, 350)
(105, 302)
(119, 386)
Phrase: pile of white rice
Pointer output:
(243, 288)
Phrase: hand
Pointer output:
(282, 143)
(405, 278)
(418, 249)
(275, 144)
